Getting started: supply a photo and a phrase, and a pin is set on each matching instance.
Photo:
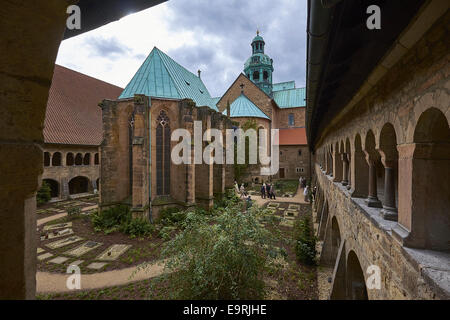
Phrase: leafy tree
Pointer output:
(219, 256)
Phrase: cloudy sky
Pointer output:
(211, 35)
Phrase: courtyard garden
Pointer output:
(225, 253)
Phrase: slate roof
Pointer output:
(243, 107)
(293, 136)
(290, 98)
(73, 115)
(162, 77)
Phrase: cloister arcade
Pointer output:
(394, 172)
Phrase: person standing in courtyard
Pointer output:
(263, 191)
(305, 194)
(242, 190)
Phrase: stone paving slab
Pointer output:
(58, 226)
(57, 234)
(83, 249)
(77, 263)
(44, 256)
(291, 213)
(64, 242)
(294, 207)
(113, 252)
(97, 265)
(59, 260)
(39, 250)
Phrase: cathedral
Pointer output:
(163, 96)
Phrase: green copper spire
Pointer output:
(259, 66)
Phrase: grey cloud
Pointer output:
(107, 47)
(234, 22)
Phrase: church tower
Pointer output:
(259, 67)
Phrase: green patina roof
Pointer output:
(263, 59)
(243, 107)
(258, 38)
(290, 98)
(161, 77)
(283, 86)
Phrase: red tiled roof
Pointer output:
(294, 136)
(73, 115)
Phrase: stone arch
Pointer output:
(356, 284)
(87, 159)
(70, 161)
(54, 187)
(96, 159)
(323, 222)
(57, 159)
(46, 159)
(79, 185)
(425, 183)
(348, 153)
(79, 159)
(336, 238)
(389, 159)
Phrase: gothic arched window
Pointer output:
(163, 154)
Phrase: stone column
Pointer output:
(337, 166)
(372, 200)
(190, 168)
(349, 172)
(31, 31)
(344, 169)
(389, 211)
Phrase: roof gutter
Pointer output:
(320, 14)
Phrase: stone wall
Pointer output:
(290, 160)
(283, 117)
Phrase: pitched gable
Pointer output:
(162, 77)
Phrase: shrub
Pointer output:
(218, 257)
(73, 211)
(305, 241)
(111, 219)
(44, 194)
(172, 216)
(137, 228)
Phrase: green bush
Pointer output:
(171, 216)
(218, 257)
(305, 241)
(137, 228)
(44, 194)
(119, 218)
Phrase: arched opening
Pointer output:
(163, 154)
(359, 171)
(46, 159)
(97, 183)
(69, 159)
(265, 75)
(96, 159)
(79, 185)
(54, 187)
(79, 159)
(335, 238)
(356, 284)
(87, 159)
(323, 222)
(56, 159)
(428, 181)
(389, 160)
(256, 76)
(375, 176)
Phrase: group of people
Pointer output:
(268, 190)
